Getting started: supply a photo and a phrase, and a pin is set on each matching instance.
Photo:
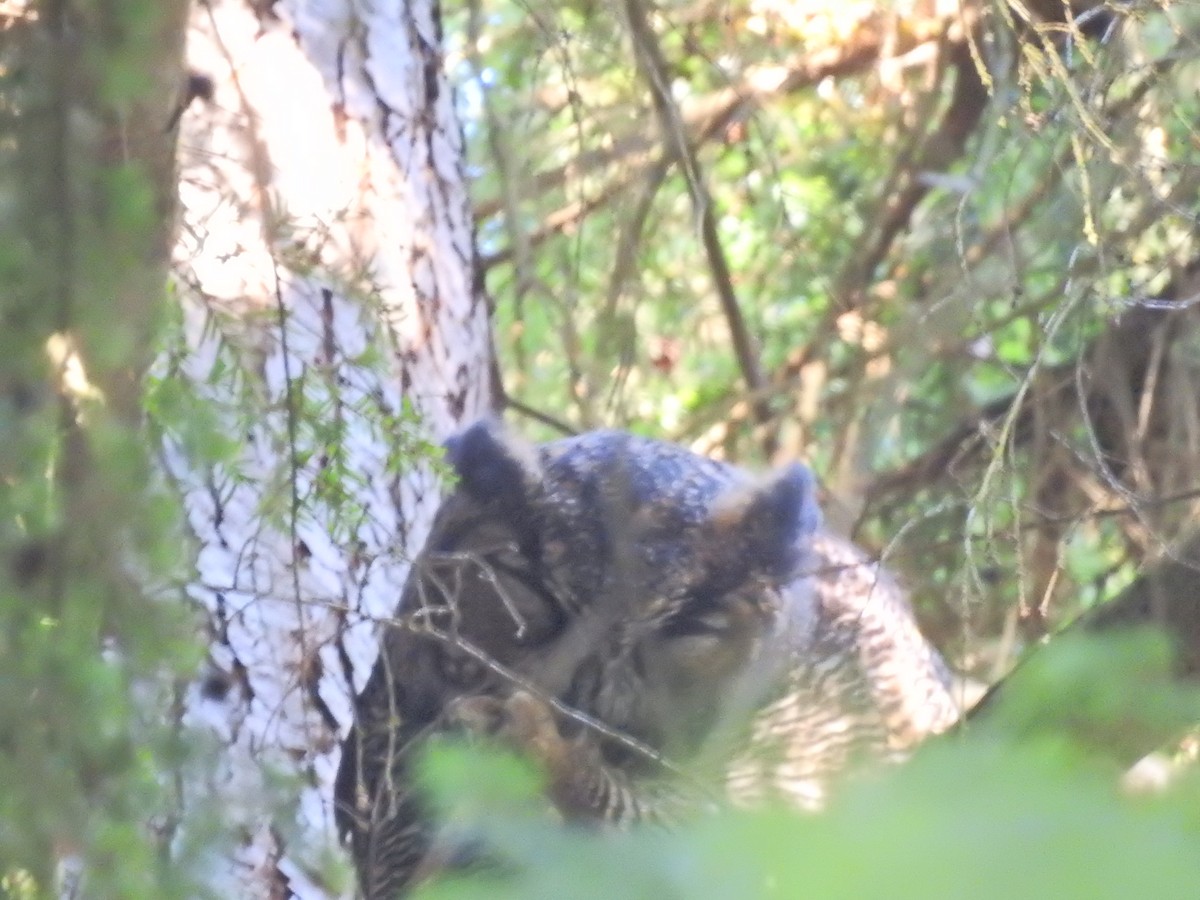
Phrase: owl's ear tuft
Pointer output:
(492, 466)
(765, 522)
(788, 502)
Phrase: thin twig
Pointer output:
(653, 67)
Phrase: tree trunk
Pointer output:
(332, 320)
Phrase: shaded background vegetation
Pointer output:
(945, 252)
(91, 657)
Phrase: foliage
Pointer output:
(89, 659)
(1018, 806)
(960, 242)
(963, 249)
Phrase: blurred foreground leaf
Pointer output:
(1019, 805)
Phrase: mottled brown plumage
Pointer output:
(654, 628)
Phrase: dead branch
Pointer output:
(653, 66)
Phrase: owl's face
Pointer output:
(635, 582)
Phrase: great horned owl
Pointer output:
(643, 622)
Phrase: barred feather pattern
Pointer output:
(658, 631)
(867, 686)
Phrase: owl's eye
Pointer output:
(526, 600)
(712, 628)
(694, 644)
(711, 622)
(703, 613)
(461, 670)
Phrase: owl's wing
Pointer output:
(865, 685)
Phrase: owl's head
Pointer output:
(638, 582)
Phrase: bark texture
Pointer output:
(332, 320)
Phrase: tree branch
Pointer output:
(654, 69)
(945, 145)
(712, 113)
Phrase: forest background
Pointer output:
(946, 253)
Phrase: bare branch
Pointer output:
(653, 66)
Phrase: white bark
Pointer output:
(325, 267)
